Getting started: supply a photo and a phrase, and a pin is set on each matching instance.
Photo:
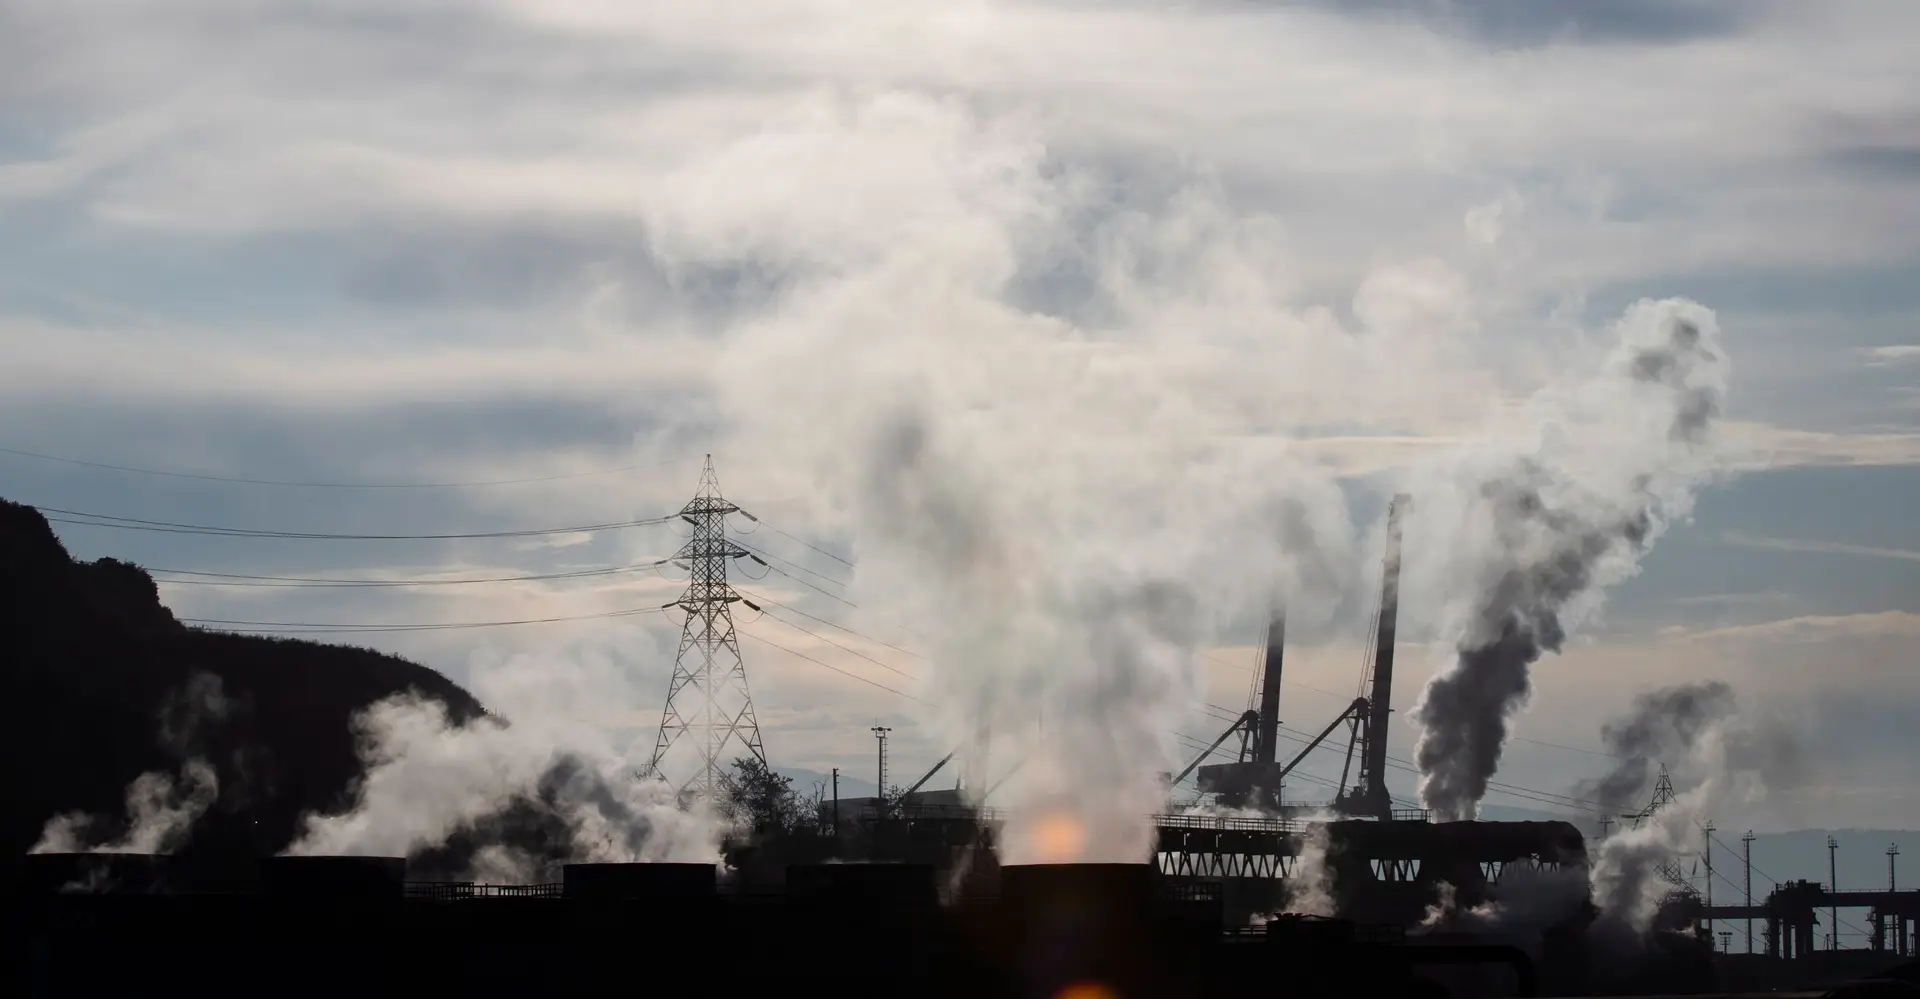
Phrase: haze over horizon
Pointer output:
(569, 248)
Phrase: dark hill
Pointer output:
(98, 684)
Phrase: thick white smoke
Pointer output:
(524, 797)
(161, 807)
(161, 811)
(1309, 892)
(1059, 428)
(1062, 417)
(1518, 541)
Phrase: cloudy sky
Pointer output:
(567, 247)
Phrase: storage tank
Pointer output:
(616, 882)
(92, 874)
(368, 880)
(1086, 926)
(870, 886)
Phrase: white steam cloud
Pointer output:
(1079, 429)
(1309, 892)
(161, 811)
(161, 807)
(503, 803)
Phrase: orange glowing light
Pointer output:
(1086, 990)
(1060, 838)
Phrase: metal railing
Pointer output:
(1227, 823)
(456, 891)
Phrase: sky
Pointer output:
(568, 247)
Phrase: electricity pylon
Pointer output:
(1670, 870)
(707, 700)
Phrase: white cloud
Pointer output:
(1745, 540)
(1172, 252)
(1890, 355)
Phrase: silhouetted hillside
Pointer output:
(98, 686)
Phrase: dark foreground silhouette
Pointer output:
(121, 925)
(100, 684)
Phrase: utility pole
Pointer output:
(1898, 943)
(1707, 834)
(1833, 889)
(880, 792)
(1746, 843)
(708, 697)
(836, 811)
(1606, 824)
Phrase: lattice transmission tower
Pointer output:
(708, 702)
(1671, 870)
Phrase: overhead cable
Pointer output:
(137, 524)
(203, 477)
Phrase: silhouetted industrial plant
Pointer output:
(1246, 892)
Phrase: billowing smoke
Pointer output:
(501, 803)
(1062, 500)
(1539, 532)
(161, 811)
(1713, 751)
(1527, 902)
(1662, 725)
(1309, 892)
(161, 807)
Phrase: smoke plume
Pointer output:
(1662, 725)
(1063, 506)
(1525, 903)
(501, 803)
(1540, 532)
(1714, 752)
(161, 807)
(1309, 892)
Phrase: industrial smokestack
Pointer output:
(1373, 768)
(1268, 735)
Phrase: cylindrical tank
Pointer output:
(92, 874)
(871, 886)
(334, 879)
(1086, 926)
(615, 882)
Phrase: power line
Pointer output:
(1344, 699)
(332, 485)
(836, 669)
(789, 562)
(796, 540)
(319, 628)
(762, 598)
(170, 527)
(843, 648)
(1558, 745)
(1494, 787)
(312, 582)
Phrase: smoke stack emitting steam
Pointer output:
(1540, 534)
